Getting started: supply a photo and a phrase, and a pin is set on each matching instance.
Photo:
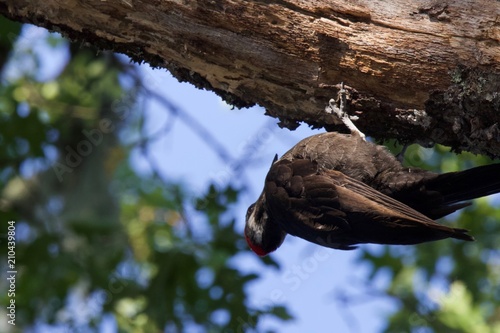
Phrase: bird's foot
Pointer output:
(341, 113)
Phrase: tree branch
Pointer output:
(419, 71)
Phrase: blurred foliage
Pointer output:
(94, 238)
(468, 272)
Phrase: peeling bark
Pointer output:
(420, 71)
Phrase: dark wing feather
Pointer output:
(327, 207)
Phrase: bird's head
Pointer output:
(263, 235)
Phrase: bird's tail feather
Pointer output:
(466, 185)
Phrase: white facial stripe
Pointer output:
(257, 228)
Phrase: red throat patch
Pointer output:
(255, 248)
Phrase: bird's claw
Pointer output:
(340, 112)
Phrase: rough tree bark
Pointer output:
(420, 71)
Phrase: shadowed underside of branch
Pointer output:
(419, 71)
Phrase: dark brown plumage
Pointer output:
(338, 190)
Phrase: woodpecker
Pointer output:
(339, 190)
